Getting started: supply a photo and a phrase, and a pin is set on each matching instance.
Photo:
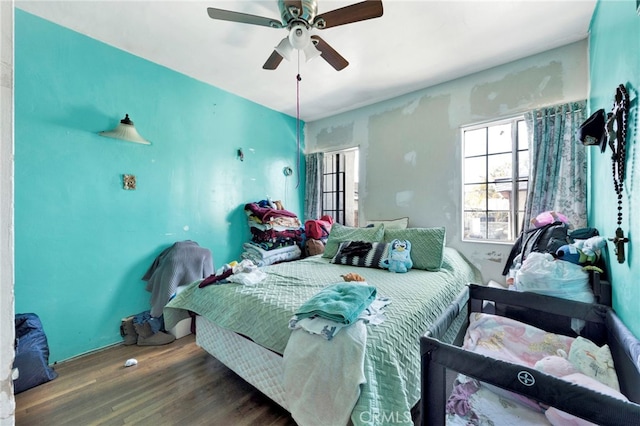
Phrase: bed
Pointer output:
(486, 377)
(246, 327)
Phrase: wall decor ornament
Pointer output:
(129, 182)
(616, 133)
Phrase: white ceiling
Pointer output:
(415, 44)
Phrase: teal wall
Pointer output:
(82, 242)
(614, 57)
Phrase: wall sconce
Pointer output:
(126, 132)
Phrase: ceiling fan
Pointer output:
(299, 17)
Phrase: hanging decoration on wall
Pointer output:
(616, 133)
(591, 132)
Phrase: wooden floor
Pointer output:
(175, 384)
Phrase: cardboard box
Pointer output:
(181, 329)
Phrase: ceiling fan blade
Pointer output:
(245, 18)
(273, 61)
(329, 54)
(362, 11)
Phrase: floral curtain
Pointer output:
(558, 163)
(313, 190)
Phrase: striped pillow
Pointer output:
(361, 253)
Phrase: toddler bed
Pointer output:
(518, 357)
(246, 327)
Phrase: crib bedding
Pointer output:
(392, 356)
(515, 371)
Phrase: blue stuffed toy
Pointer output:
(399, 259)
(582, 252)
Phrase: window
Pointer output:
(495, 175)
(340, 186)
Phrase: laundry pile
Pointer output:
(276, 233)
(319, 356)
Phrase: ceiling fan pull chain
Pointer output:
(298, 78)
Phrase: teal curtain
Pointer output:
(558, 163)
(313, 189)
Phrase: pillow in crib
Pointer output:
(594, 361)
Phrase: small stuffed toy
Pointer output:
(557, 366)
(399, 259)
(352, 276)
(582, 252)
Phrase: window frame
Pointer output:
(345, 208)
(517, 148)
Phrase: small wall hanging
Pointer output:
(129, 181)
(616, 128)
(612, 131)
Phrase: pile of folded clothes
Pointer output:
(276, 233)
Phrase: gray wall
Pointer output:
(410, 146)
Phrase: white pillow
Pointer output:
(401, 223)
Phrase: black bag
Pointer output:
(546, 239)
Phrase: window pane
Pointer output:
(523, 135)
(501, 191)
(475, 169)
(522, 195)
(500, 166)
(475, 197)
(519, 223)
(500, 138)
(327, 201)
(475, 142)
(499, 196)
(498, 225)
(475, 225)
(523, 164)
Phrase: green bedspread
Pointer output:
(392, 360)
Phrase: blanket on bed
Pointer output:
(392, 355)
(324, 392)
(341, 302)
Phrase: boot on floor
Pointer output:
(146, 336)
(128, 331)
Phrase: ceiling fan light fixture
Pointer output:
(299, 37)
(311, 52)
(284, 48)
